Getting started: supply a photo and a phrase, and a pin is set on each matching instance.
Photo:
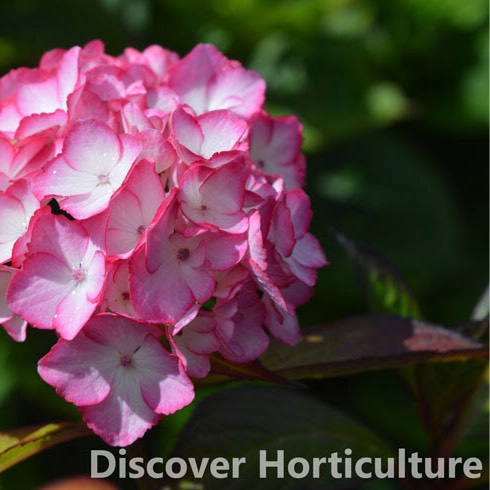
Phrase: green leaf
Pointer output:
(240, 422)
(384, 288)
(375, 341)
(19, 444)
(474, 436)
(446, 397)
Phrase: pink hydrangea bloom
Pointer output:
(94, 163)
(148, 200)
(61, 280)
(119, 375)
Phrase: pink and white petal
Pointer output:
(7, 151)
(164, 385)
(6, 274)
(17, 206)
(281, 234)
(222, 130)
(162, 296)
(80, 370)
(191, 183)
(21, 189)
(92, 146)
(267, 285)
(68, 75)
(16, 327)
(187, 131)
(224, 87)
(60, 179)
(35, 291)
(200, 282)
(162, 99)
(37, 123)
(123, 416)
(224, 251)
(276, 141)
(230, 281)
(85, 206)
(187, 318)
(163, 153)
(309, 253)
(118, 333)
(125, 224)
(304, 274)
(197, 365)
(12, 224)
(242, 338)
(37, 98)
(72, 313)
(145, 184)
(131, 148)
(249, 341)
(32, 156)
(230, 223)
(78, 306)
(224, 188)
(64, 239)
(199, 336)
(160, 60)
(159, 230)
(10, 118)
(299, 206)
(21, 246)
(297, 293)
(95, 275)
(83, 104)
(4, 181)
(281, 324)
(191, 75)
(293, 174)
(257, 251)
(116, 295)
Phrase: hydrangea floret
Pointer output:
(151, 214)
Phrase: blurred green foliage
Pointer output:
(393, 95)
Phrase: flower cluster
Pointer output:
(151, 213)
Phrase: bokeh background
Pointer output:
(393, 96)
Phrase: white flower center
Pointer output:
(125, 360)
(103, 179)
(78, 274)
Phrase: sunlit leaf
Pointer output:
(383, 286)
(19, 444)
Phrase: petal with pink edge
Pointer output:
(35, 291)
(80, 370)
(14, 325)
(164, 385)
(123, 416)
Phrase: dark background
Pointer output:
(393, 95)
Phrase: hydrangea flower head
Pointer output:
(151, 214)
